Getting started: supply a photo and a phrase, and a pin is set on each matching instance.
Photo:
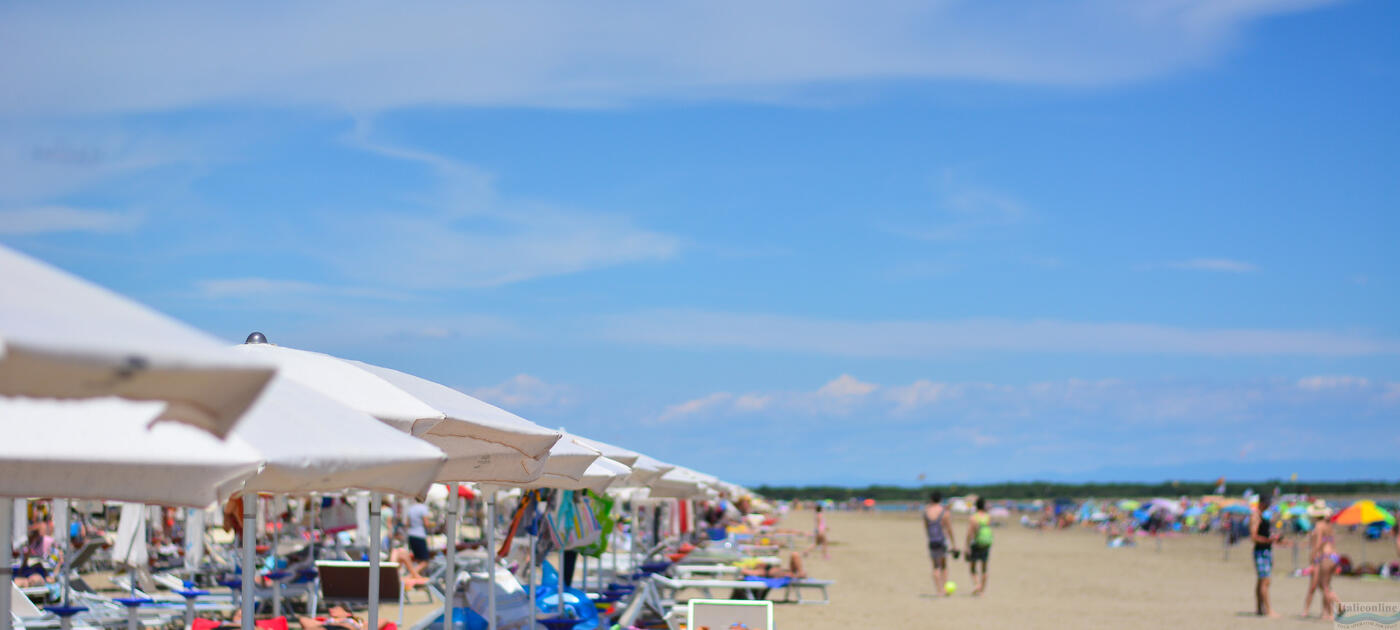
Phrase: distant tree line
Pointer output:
(1051, 490)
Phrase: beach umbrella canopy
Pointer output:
(107, 448)
(310, 443)
(346, 384)
(1363, 513)
(600, 475)
(63, 337)
(646, 470)
(1129, 505)
(1164, 505)
(1238, 508)
(680, 483)
(626, 457)
(569, 458)
(482, 441)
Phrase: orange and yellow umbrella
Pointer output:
(1363, 513)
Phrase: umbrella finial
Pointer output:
(255, 337)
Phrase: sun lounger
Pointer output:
(797, 585)
(348, 582)
(746, 589)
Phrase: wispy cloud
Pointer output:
(698, 405)
(915, 339)
(524, 391)
(964, 209)
(470, 236)
(983, 413)
(50, 219)
(561, 53)
(234, 288)
(1225, 265)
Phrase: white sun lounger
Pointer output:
(747, 587)
(798, 585)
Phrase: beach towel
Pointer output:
(777, 582)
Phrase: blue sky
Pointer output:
(802, 241)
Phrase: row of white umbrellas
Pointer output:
(88, 379)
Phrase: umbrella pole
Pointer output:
(276, 559)
(530, 572)
(374, 512)
(560, 574)
(7, 522)
(249, 524)
(450, 584)
(490, 526)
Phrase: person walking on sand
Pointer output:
(1261, 532)
(979, 544)
(939, 527)
(819, 534)
(1324, 566)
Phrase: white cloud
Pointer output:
(846, 386)
(50, 219)
(1224, 265)
(920, 393)
(692, 407)
(470, 236)
(1334, 382)
(1067, 402)
(270, 288)
(920, 339)
(525, 391)
(367, 57)
(965, 209)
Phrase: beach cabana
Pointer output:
(64, 337)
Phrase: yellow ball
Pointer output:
(951, 587)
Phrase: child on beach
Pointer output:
(819, 534)
(979, 544)
(1261, 532)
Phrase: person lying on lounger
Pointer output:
(794, 569)
(338, 618)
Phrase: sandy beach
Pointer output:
(1054, 579)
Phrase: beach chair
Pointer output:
(745, 589)
(348, 583)
(798, 585)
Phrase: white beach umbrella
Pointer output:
(107, 448)
(680, 483)
(483, 442)
(310, 443)
(647, 470)
(346, 384)
(600, 475)
(63, 337)
(626, 457)
(570, 458)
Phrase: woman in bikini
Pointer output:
(1324, 565)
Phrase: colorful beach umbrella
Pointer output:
(1363, 513)
(1129, 505)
